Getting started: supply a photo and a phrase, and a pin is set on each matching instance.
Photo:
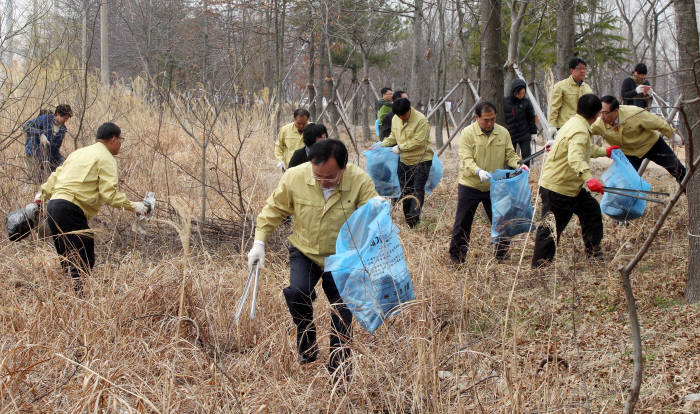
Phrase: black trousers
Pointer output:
(412, 179)
(77, 251)
(303, 276)
(662, 155)
(525, 149)
(563, 208)
(468, 200)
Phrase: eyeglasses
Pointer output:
(327, 180)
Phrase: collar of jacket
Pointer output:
(584, 121)
(411, 119)
(490, 137)
(574, 83)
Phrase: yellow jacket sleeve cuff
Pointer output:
(261, 235)
(600, 152)
(586, 175)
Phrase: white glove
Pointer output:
(484, 176)
(44, 141)
(395, 149)
(280, 165)
(37, 198)
(256, 255)
(548, 145)
(552, 132)
(524, 167)
(379, 198)
(533, 137)
(140, 208)
(643, 89)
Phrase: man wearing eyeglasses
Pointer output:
(87, 179)
(639, 134)
(567, 93)
(322, 194)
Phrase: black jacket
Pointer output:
(385, 127)
(630, 95)
(299, 157)
(519, 114)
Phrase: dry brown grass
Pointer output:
(452, 350)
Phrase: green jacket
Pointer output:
(567, 166)
(479, 151)
(316, 221)
(636, 132)
(384, 109)
(565, 100)
(412, 137)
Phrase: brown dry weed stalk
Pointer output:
(154, 332)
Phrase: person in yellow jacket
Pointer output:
(290, 138)
(87, 179)
(567, 93)
(322, 194)
(564, 173)
(410, 138)
(637, 132)
(484, 147)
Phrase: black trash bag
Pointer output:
(20, 222)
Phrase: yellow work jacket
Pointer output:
(477, 150)
(412, 137)
(567, 166)
(316, 221)
(636, 132)
(565, 100)
(88, 178)
(289, 140)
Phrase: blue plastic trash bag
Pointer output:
(382, 165)
(435, 175)
(368, 266)
(621, 174)
(376, 127)
(511, 203)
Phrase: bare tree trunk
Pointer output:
(464, 33)
(623, 9)
(441, 78)
(280, 14)
(35, 29)
(416, 49)
(323, 69)
(565, 36)
(312, 69)
(689, 73)
(84, 40)
(366, 102)
(104, 43)
(517, 14)
(491, 56)
(6, 35)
